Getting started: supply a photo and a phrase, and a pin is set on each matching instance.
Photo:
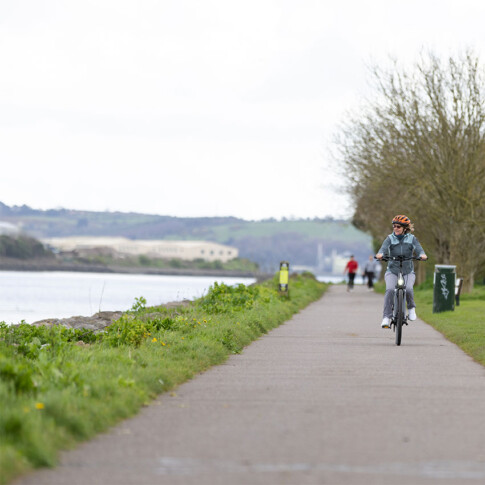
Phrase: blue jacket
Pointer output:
(406, 246)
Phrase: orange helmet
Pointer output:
(402, 220)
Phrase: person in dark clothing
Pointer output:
(370, 270)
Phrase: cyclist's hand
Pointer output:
(424, 257)
(379, 256)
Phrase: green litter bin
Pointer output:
(444, 288)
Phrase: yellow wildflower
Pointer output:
(39, 405)
(154, 339)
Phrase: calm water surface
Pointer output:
(33, 296)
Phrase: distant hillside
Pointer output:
(265, 242)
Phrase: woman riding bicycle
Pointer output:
(400, 243)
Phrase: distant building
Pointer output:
(120, 246)
(339, 263)
(8, 229)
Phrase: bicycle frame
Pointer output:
(399, 316)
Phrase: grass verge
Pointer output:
(59, 386)
(464, 326)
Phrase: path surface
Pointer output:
(326, 398)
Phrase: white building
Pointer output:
(339, 263)
(186, 250)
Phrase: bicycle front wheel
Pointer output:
(399, 316)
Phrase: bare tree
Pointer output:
(418, 148)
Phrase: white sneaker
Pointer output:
(386, 322)
(412, 314)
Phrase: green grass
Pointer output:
(59, 386)
(465, 326)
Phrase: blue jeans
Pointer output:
(391, 280)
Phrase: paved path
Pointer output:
(326, 398)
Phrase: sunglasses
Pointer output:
(397, 225)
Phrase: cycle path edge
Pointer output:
(326, 398)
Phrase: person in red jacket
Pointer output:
(351, 268)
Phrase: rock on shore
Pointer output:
(96, 322)
(99, 320)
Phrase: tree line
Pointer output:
(417, 147)
(22, 247)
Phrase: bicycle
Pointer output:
(399, 316)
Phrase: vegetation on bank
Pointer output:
(59, 386)
(22, 247)
(144, 262)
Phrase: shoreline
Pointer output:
(18, 265)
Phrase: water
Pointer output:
(33, 296)
(332, 279)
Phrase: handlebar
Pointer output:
(399, 258)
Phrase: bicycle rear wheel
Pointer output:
(399, 316)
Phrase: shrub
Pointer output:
(222, 298)
(128, 330)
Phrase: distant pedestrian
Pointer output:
(370, 270)
(351, 269)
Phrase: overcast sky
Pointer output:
(197, 107)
